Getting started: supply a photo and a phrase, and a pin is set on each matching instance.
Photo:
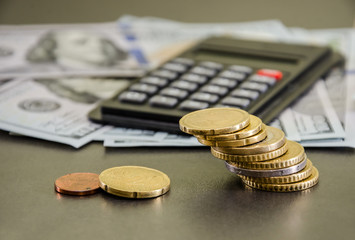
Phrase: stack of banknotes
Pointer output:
(51, 76)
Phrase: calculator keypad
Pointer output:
(188, 85)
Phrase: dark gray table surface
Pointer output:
(205, 201)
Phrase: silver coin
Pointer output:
(267, 173)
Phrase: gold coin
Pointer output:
(253, 128)
(296, 177)
(294, 155)
(212, 121)
(251, 158)
(237, 142)
(274, 140)
(309, 182)
(134, 182)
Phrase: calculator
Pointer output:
(260, 77)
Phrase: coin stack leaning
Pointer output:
(259, 154)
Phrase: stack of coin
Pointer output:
(259, 154)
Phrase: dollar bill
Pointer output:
(312, 117)
(349, 140)
(338, 87)
(170, 140)
(130, 134)
(66, 50)
(160, 39)
(54, 109)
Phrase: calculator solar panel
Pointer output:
(260, 77)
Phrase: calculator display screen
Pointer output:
(235, 57)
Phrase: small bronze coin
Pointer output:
(213, 121)
(78, 184)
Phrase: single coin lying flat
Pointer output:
(78, 184)
(134, 182)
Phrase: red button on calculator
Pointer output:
(270, 73)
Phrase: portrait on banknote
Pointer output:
(61, 50)
(76, 49)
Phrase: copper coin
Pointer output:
(78, 184)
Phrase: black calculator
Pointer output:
(260, 77)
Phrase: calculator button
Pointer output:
(192, 105)
(243, 93)
(174, 92)
(175, 67)
(184, 85)
(203, 71)
(214, 89)
(260, 87)
(233, 75)
(212, 65)
(205, 97)
(241, 69)
(233, 101)
(132, 97)
(262, 79)
(224, 82)
(185, 61)
(160, 82)
(270, 73)
(164, 74)
(145, 88)
(195, 78)
(221, 106)
(163, 101)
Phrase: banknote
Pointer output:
(349, 140)
(170, 140)
(54, 109)
(159, 39)
(312, 117)
(66, 50)
(130, 134)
